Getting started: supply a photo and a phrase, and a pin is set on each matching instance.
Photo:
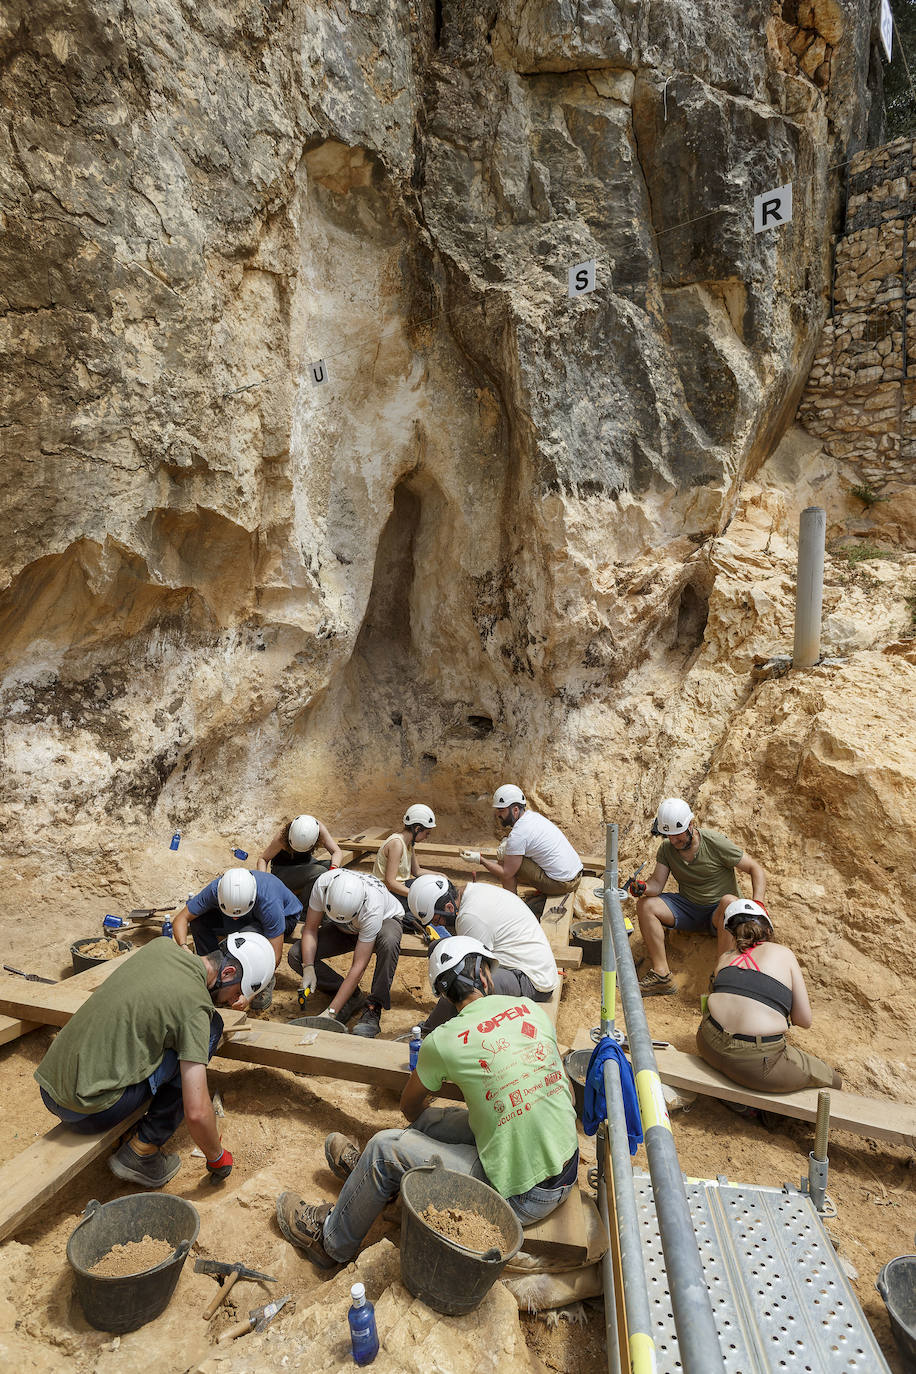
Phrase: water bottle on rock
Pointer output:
(363, 1334)
(416, 1040)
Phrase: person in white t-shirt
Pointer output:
(500, 921)
(350, 911)
(536, 852)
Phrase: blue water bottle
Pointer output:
(167, 927)
(240, 853)
(176, 840)
(115, 923)
(363, 1333)
(416, 1040)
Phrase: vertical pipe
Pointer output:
(817, 1159)
(694, 1322)
(809, 591)
(608, 960)
(632, 1261)
(611, 1332)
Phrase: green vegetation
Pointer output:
(910, 600)
(867, 495)
(862, 552)
(899, 100)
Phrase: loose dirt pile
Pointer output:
(469, 1229)
(133, 1257)
(101, 949)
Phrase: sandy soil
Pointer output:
(275, 1126)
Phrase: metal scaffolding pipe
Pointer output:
(608, 961)
(691, 1307)
(636, 1287)
(809, 589)
(611, 1330)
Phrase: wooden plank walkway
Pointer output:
(449, 854)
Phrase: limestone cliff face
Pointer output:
(230, 591)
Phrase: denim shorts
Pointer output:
(687, 915)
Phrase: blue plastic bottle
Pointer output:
(167, 927)
(114, 923)
(240, 853)
(176, 840)
(416, 1040)
(363, 1334)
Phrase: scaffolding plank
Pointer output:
(11, 1028)
(880, 1119)
(566, 956)
(780, 1297)
(450, 853)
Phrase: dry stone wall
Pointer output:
(861, 394)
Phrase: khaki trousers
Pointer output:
(531, 874)
(770, 1066)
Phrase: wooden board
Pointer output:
(557, 917)
(879, 1119)
(567, 956)
(56, 1002)
(449, 854)
(562, 1235)
(11, 1028)
(36, 1174)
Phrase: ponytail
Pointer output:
(750, 933)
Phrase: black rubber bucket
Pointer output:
(897, 1285)
(123, 1304)
(576, 1065)
(587, 935)
(83, 961)
(448, 1277)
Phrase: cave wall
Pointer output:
(227, 591)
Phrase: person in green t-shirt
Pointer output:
(703, 863)
(518, 1132)
(148, 1032)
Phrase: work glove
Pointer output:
(471, 856)
(309, 982)
(636, 887)
(220, 1168)
(328, 1015)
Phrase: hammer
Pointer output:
(231, 1273)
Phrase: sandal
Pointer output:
(657, 984)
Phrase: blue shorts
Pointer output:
(687, 915)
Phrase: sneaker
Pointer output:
(303, 1225)
(342, 1155)
(369, 1024)
(352, 1006)
(657, 984)
(150, 1171)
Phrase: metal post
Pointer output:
(690, 1303)
(608, 961)
(809, 589)
(611, 1331)
(817, 1159)
(632, 1261)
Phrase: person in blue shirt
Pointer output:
(240, 900)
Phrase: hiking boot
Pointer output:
(657, 984)
(369, 1024)
(150, 1171)
(342, 1155)
(303, 1225)
(352, 1006)
(262, 1000)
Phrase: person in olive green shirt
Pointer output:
(149, 1031)
(704, 865)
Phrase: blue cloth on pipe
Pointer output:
(595, 1106)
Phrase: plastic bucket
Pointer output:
(587, 935)
(123, 1304)
(448, 1277)
(576, 1065)
(897, 1285)
(83, 961)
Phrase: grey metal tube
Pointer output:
(817, 1159)
(693, 1316)
(632, 1261)
(809, 589)
(608, 960)
(611, 1329)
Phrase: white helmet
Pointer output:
(420, 815)
(345, 894)
(508, 795)
(236, 892)
(255, 954)
(303, 834)
(451, 953)
(745, 910)
(425, 892)
(674, 817)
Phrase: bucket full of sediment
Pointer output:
(96, 950)
(457, 1236)
(897, 1285)
(127, 1257)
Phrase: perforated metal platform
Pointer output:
(782, 1302)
